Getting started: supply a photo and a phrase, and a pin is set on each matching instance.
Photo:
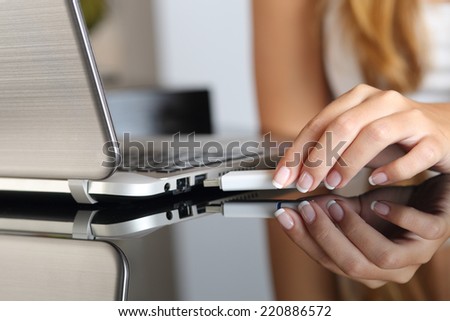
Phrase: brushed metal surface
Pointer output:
(40, 268)
(53, 116)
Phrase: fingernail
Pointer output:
(307, 212)
(335, 210)
(333, 179)
(380, 208)
(281, 177)
(284, 219)
(378, 178)
(305, 182)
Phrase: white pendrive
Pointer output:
(245, 181)
(255, 209)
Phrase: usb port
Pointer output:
(184, 211)
(183, 184)
(198, 180)
(201, 209)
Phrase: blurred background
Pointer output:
(188, 45)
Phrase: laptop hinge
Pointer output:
(82, 225)
(79, 190)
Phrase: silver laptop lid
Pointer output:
(54, 120)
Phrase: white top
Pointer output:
(341, 63)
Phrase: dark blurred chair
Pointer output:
(146, 111)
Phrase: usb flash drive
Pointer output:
(245, 181)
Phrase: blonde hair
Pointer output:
(385, 34)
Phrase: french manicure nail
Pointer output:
(378, 178)
(307, 211)
(305, 182)
(335, 210)
(281, 177)
(284, 219)
(380, 208)
(332, 180)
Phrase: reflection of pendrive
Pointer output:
(245, 180)
(251, 209)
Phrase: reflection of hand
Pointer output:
(358, 126)
(372, 238)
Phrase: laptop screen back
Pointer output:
(54, 121)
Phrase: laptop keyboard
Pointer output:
(165, 163)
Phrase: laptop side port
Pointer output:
(201, 209)
(183, 185)
(184, 211)
(198, 180)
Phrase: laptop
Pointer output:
(56, 131)
(58, 216)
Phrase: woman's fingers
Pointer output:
(424, 225)
(360, 123)
(380, 250)
(322, 142)
(355, 129)
(426, 154)
(289, 166)
(346, 255)
(355, 150)
(344, 243)
(296, 230)
(365, 239)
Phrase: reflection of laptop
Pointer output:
(56, 269)
(60, 216)
(37, 231)
(56, 133)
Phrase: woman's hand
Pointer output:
(372, 238)
(363, 126)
